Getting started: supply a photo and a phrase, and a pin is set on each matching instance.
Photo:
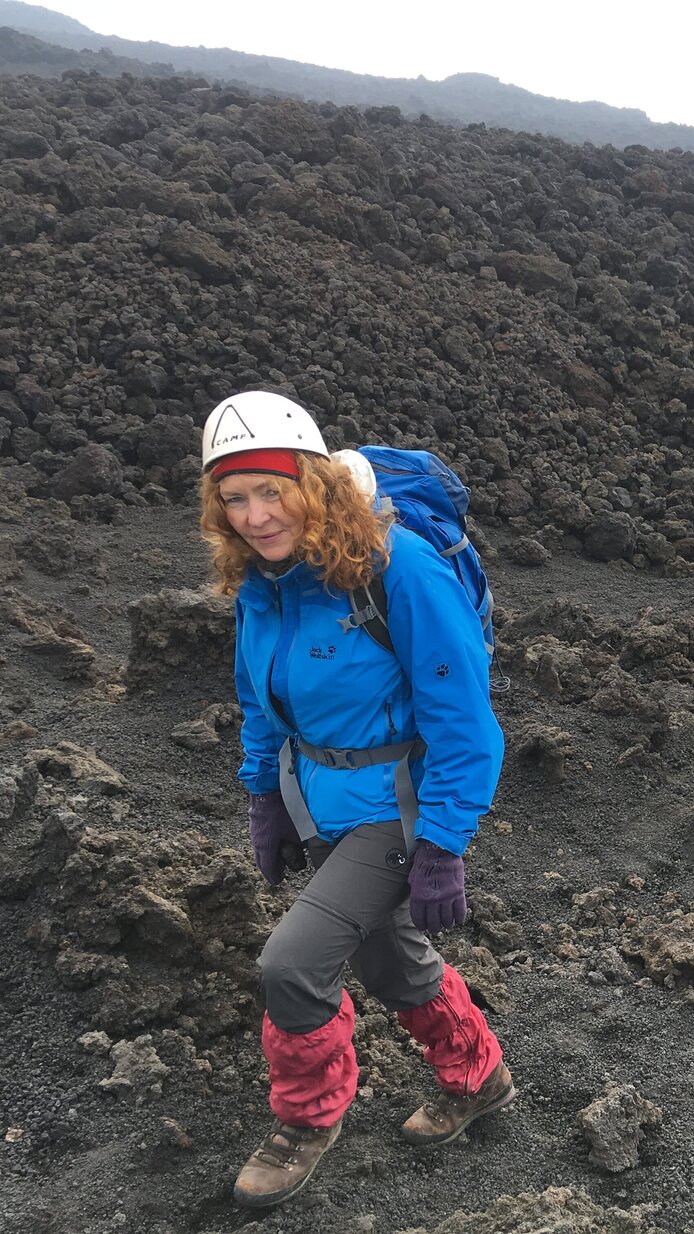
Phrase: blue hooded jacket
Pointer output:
(341, 689)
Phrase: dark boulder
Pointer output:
(537, 273)
(166, 441)
(92, 470)
(608, 537)
(200, 252)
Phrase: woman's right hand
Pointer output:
(276, 843)
(437, 888)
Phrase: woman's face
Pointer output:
(254, 509)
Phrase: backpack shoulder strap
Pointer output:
(370, 610)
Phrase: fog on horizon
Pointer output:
(614, 53)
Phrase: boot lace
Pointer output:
(441, 1106)
(281, 1144)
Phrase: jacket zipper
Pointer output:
(389, 713)
(273, 698)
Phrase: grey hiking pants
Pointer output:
(354, 909)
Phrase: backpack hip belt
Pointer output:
(351, 760)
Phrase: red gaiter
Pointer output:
(459, 1044)
(313, 1076)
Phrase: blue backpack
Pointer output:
(430, 500)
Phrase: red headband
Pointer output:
(271, 462)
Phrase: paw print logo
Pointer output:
(442, 670)
(331, 651)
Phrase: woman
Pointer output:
(334, 718)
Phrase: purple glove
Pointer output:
(274, 837)
(437, 888)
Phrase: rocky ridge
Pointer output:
(60, 44)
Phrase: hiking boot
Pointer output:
(282, 1164)
(442, 1120)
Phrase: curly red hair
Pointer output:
(343, 537)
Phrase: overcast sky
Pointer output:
(629, 53)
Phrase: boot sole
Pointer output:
(279, 1197)
(504, 1098)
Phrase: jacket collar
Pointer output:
(259, 586)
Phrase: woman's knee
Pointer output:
(278, 969)
(301, 992)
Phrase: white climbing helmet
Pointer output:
(258, 420)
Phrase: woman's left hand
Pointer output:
(276, 844)
(437, 889)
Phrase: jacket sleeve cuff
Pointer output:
(452, 841)
(263, 782)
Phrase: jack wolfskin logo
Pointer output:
(317, 653)
(442, 670)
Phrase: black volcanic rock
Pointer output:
(523, 308)
(188, 247)
(92, 470)
(537, 273)
(608, 536)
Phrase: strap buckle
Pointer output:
(357, 619)
(339, 760)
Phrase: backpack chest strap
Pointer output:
(351, 760)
